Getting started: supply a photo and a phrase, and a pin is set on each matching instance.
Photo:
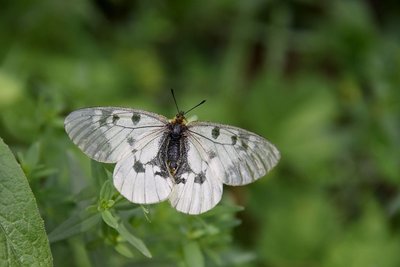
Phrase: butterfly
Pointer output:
(159, 159)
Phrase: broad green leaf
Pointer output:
(133, 240)
(193, 255)
(77, 223)
(23, 240)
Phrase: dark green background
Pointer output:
(319, 79)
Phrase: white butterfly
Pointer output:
(159, 159)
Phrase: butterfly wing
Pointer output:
(107, 134)
(202, 189)
(219, 154)
(215, 154)
(238, 156)
(139, 177)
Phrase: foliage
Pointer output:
(318, 78)
(23, 238)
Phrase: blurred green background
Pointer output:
(319, 79)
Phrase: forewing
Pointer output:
(239, 156)
(139, 176)
(107, 134)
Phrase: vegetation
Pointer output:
(319, 79)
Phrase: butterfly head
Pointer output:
(180, 117)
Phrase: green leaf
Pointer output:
(133, 240)
(99, 173)
(124, 249)
(23, 240)
(77, 223)
(107, 190)
(110, 219)
(80, 253)
(193, 255)
(33, 154)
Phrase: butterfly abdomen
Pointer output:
(173, 153)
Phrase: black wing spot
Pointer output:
(135, 118)
(200, 178)
(180, 180)
(115, 118)
(138, 167)
(234, 139)
(211, 154)
(215, 132)
(130, 141)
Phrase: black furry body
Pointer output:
(172, 156)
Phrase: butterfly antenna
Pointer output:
(202, 102)
(173, 96)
